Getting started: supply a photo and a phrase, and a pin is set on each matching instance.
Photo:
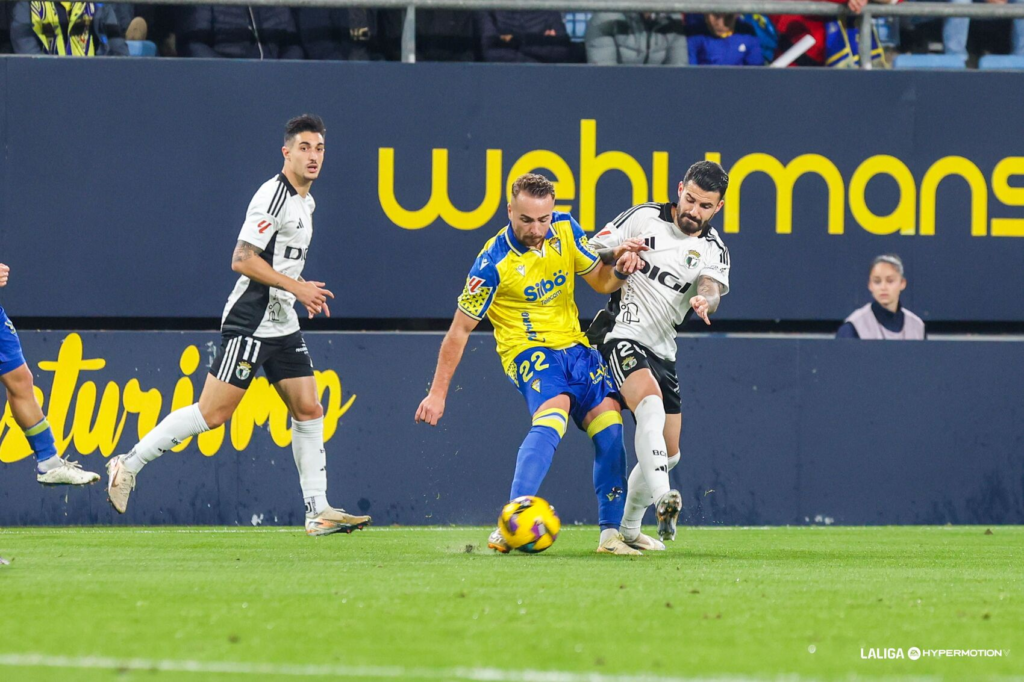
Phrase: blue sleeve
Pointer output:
(754, 57)
(693, 44)
(847, 331)
(481, 285)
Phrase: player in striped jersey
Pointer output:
(685, 272)
(261, 329)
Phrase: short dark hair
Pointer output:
(307, 123)
(534, 184)
(709, 176)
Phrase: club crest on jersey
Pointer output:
(243, 370)
(628, 363)
(536, 385)
(556, 244)
(691, 260)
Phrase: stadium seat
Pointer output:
(929, 61)
(141, 48)
(1001, 61)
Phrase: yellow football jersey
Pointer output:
(528, 294)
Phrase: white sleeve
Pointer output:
(262, 220)
(717, 265)
(613, 234)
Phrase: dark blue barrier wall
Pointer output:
(776, 431)
(124, 182)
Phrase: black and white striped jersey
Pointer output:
(652, 303)
(280, 222)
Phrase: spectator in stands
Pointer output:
(339, 33)
(441, 35)
(636, 38)
(793, 27)
(884, 318)
(80, 29)
(238, 32)
(956, 29)
(721, 45)
(523, 36)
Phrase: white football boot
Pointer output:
(4, 562)
(333, 520)
(667, 510)
(120, 483)
(646, 543)
(67, 473)
(497, 542)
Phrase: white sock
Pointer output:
(175, 427)
(638, 499)
(608, 534)
(49, 464)
(651, 452)
(311, 461)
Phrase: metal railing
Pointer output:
(825, 9)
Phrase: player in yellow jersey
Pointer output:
(523, 280)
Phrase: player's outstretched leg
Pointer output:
(216, 404)
(51, 468)
(300, 395)
(644, 397)
(604, 427)
(535, 455)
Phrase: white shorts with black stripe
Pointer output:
(283, 357)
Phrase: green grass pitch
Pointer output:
(434, 604)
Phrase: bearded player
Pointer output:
(523, 280)
(685, 272)
(261, 329)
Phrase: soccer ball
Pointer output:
(529, 524)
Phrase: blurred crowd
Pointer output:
(248, 32)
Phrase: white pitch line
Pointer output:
(34, 660)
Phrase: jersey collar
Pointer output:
(519, 248)
(284, 178)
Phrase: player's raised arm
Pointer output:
(615, 266)
(432, 407)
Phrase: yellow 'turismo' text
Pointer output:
(79, 426)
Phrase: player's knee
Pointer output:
(18, 382)
(307, 411)
(650, 413)
(215, 416)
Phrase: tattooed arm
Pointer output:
(246, 261)
(709, 295)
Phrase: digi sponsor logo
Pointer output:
(545, 286)
(663, 277)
